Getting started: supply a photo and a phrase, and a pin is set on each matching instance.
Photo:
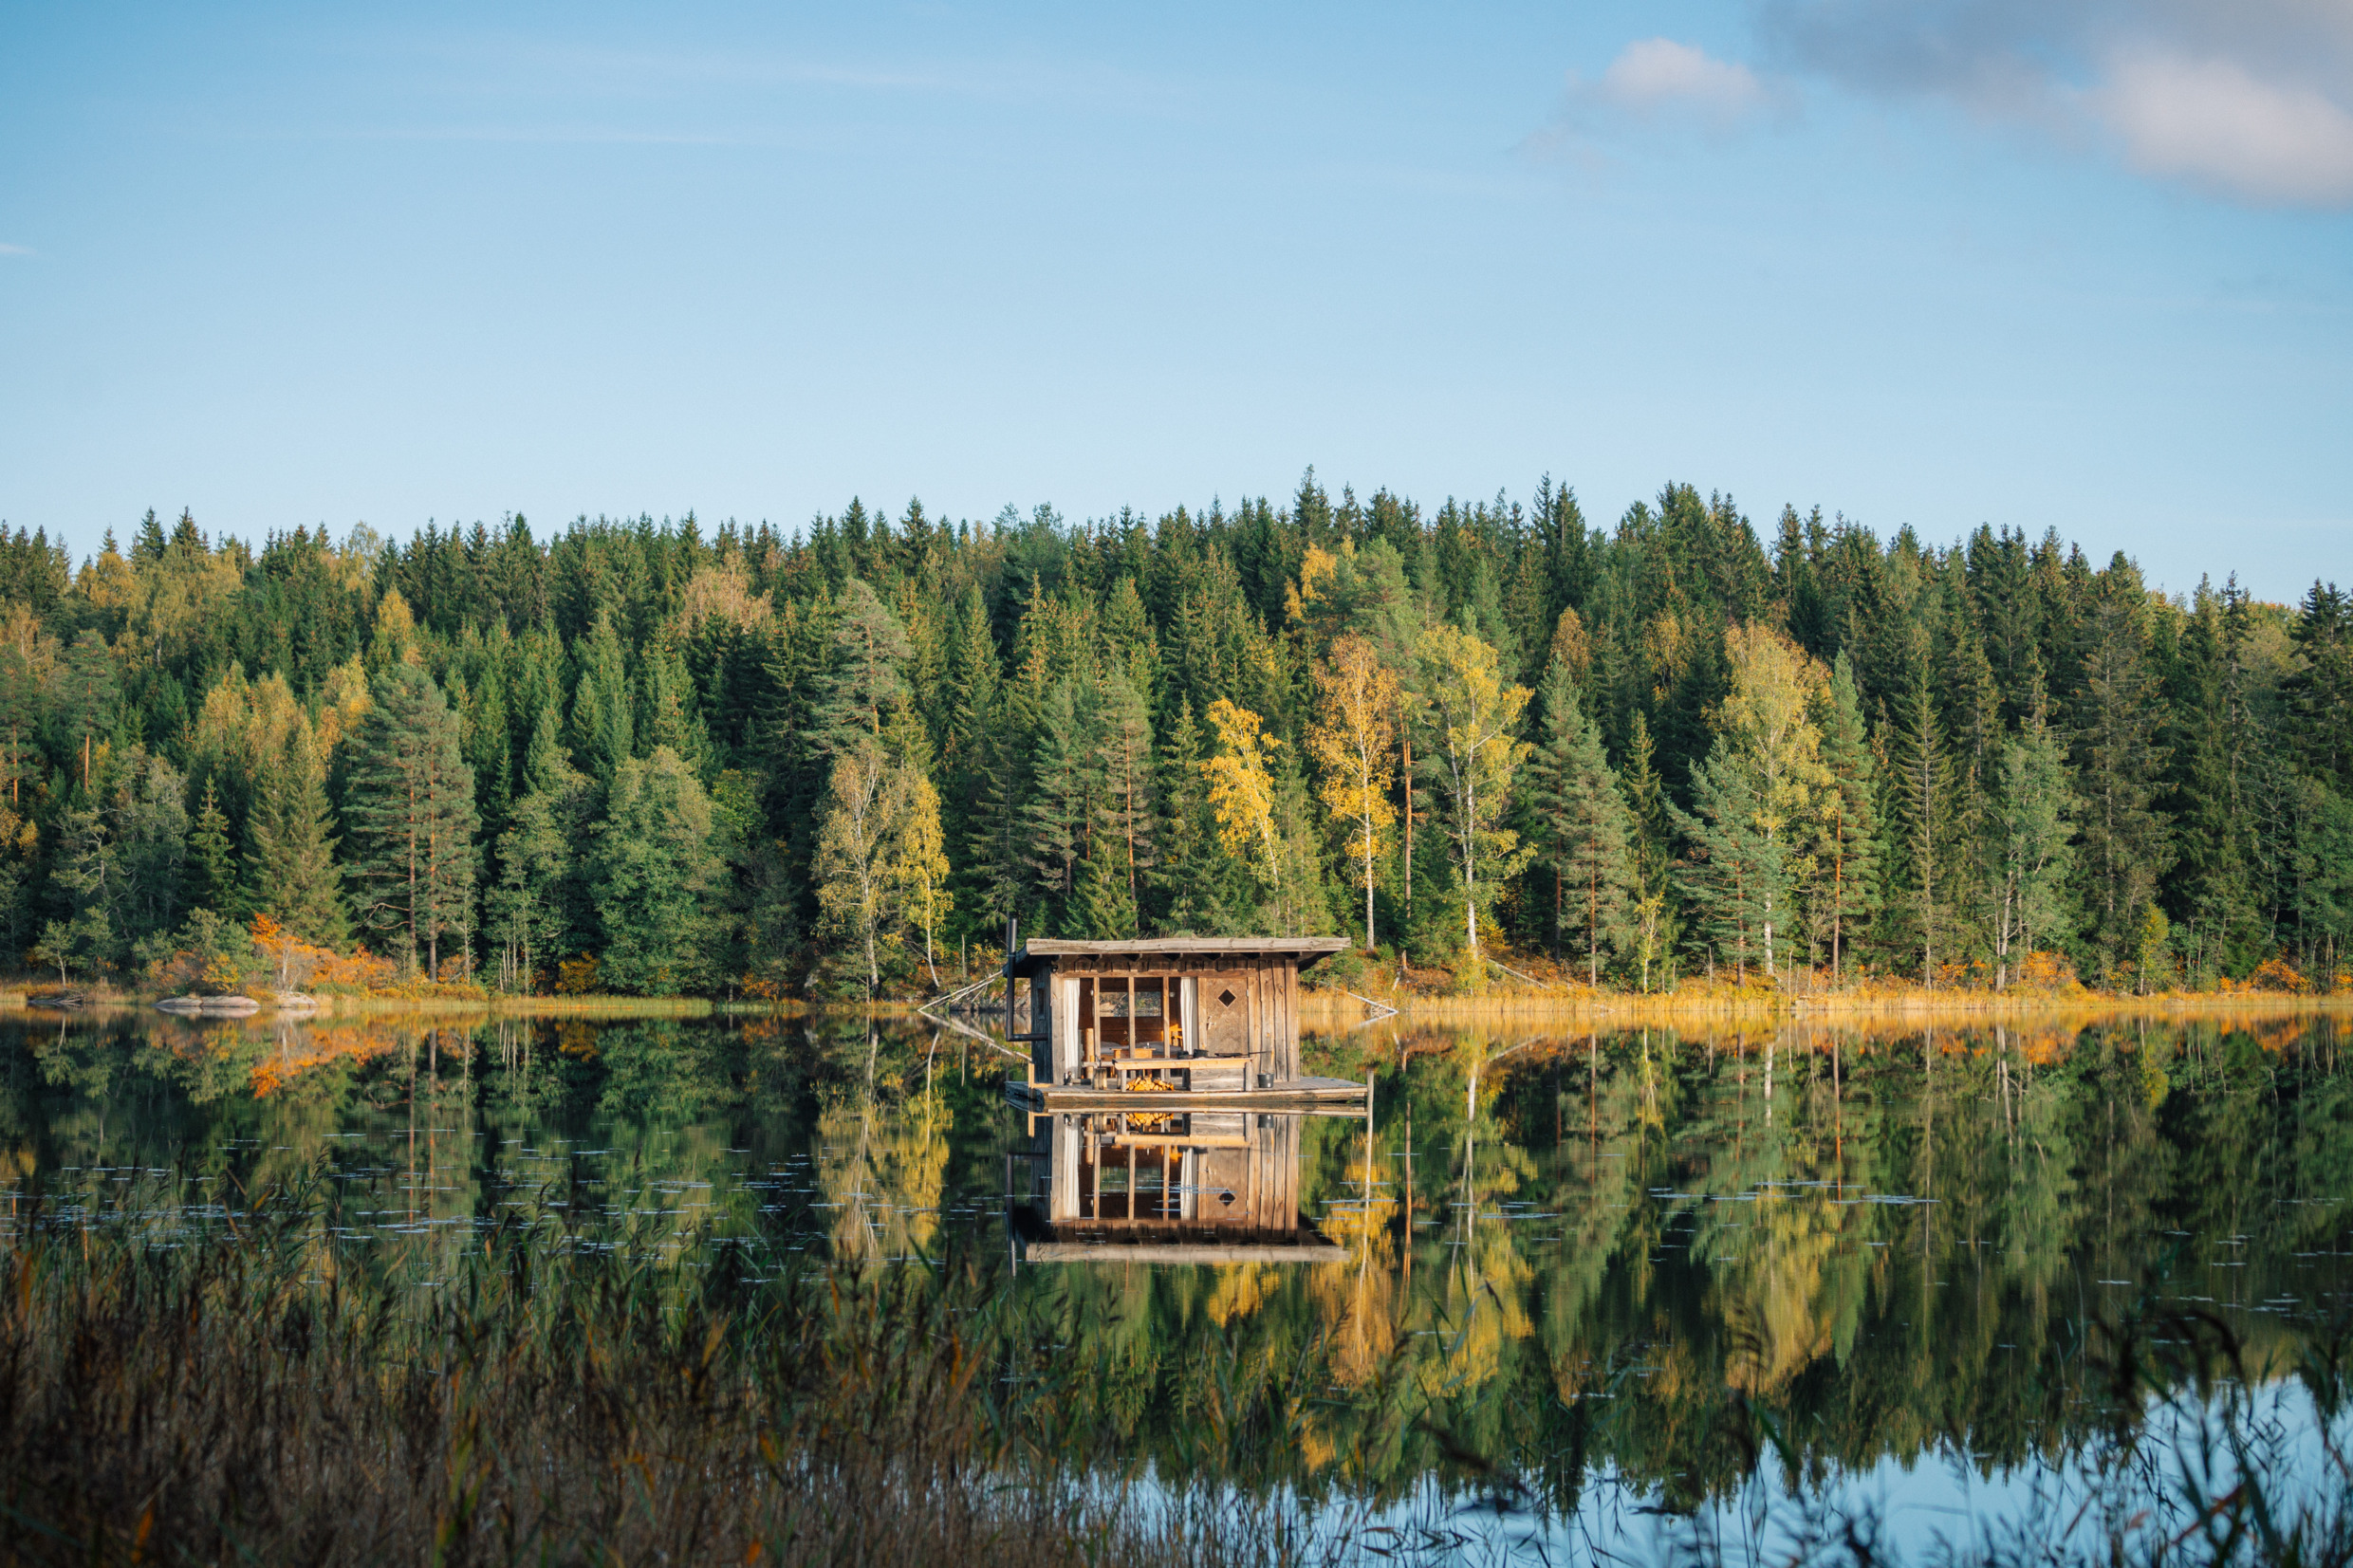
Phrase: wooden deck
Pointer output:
(1326, 1095)
(1182, 1252)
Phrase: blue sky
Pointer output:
(2083, 263)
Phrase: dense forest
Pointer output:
(639, 757)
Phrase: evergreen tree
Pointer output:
(148, 820)
(1921, 817)
(1192, 880)
(1122, 770)
(604, 721)
(86, 877)
(653, 871)
(1057, 814)
(290, 871)
(539, 910)
(2119, 766)
(1735, 875)
(212, 857)
(1584, 833)
(410, 820)
(2033, 820)
(863, 683)
(1102, 907)
(1847, 843)
(667, 713)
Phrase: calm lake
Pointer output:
(1529, 1295)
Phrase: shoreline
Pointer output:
(1617, 1010)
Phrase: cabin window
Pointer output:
(1123, 1017)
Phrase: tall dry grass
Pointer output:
(244, 1394)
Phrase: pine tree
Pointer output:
(291, 871)
(87, 878)
(1102, 907)
(863, 683)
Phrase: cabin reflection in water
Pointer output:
(1167, 1187)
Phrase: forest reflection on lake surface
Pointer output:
(1555, 1262)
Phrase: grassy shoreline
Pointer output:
(1619, 1010)
(1327, 1006)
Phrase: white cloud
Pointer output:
(1656, 74)
(2249, 99)
(15, 249)
(1654, 83)
(2215, 124)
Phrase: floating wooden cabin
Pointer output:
(1200, 1022)
(1163, 1186)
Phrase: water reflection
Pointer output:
(1567, 1255)
(1163, 1186)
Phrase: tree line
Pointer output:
(645, 757)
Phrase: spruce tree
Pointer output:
(667, 713)
(411, 819)
(1583, 829)
(539, 911)
(603, 710)
(1847, 851)
(290, 870)
(2032, 821)
(1120, 769)
(655, 875)
(1919, 793)
(211, 859)
(1735, 875)
(1195, 885)
(1058, 813)
(2119, 765)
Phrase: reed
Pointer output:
(181, 1382)
(243, 1393)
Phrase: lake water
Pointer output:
(1556, 1289)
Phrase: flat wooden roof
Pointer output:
(1037, 952)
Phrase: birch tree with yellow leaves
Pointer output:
(1241, 793)
(1757, 793)
(1351, 744)
(922, 866)
(1469, 710)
